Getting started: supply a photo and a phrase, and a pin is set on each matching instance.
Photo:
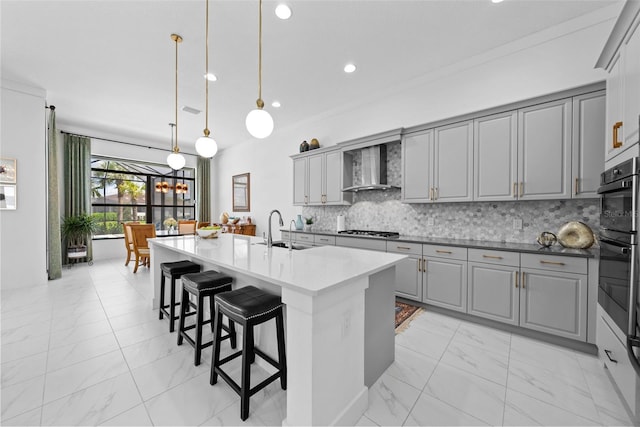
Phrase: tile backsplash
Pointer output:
(494, 221)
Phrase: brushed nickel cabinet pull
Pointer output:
(551, 262)
(424, 265)
(443, 252)
(436, 194)
(403, 248)
(516, 278)
(576, 186)
(616, 143)
(492, 257)
(430, 193)
(522, 281)
(420, 265)
(521, 188)
(515, 190)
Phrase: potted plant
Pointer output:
(308, 222)
(76, 230)
(170, 223)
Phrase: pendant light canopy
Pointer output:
(175, 160)
(205, 145)
(259, 122)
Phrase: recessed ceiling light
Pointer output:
(211, 77)
(283, 11)
(191, 110)
(349, 68)
(497, 1)
(275, 104)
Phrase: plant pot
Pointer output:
(79, 251)
(307, 227)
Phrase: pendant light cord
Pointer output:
(259, 102)
(206, 77)
(176, 149)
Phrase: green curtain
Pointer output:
(54, 257)
(77, 180)
(203, 187)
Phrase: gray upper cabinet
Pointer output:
(333, 179)
(453, 163)
(544, 151)
(316, 179)
(416, 172)
(495, 157)
(319, 176)
(300, 181)
(588, 134)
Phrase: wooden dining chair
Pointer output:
(187, 226)
(203, 224)
(128, 239)
(142, 232)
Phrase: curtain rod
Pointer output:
(120, 142)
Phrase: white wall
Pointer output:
(23, 237)
(547, 62)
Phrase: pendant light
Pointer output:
(205, 145)
(259, 122)
(176, 160)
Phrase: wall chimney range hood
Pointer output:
(374, 170)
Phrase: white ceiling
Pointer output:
(108, 65)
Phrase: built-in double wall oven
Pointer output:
(618, 236)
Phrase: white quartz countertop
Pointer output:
(310, 271)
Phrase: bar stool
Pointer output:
(173, 270)
(248, 306)
(201, 285)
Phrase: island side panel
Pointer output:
(379, 325)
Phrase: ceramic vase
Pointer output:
(304, 146)
(299, 224)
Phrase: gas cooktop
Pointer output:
(371, 233)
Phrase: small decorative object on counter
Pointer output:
(248, 220)
(299, 224)
(308, 222)
(170, 223)
(576, 235)
(304, 146)
(224, 218)
(314, 144)
(546, 239)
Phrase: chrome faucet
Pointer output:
(269, 238)
(291, 234)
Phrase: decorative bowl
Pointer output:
(546, 239)
(576, 235)
(207, 233)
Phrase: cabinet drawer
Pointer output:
(554, 263)
(495, 257)
(319, 239)
(303, 237)
(405, 248)
(452, 252)
(355, 242)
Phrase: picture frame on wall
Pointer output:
(241, 186)
(8, 170)
(8, 195)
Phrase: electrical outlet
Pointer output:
(431, 221)
(517, 224)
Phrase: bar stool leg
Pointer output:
(247, 352)
(162, 296)
(282, 356)
(199, 320)
(172, 307)
(183, 311)
(216, 348)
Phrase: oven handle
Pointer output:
(621, 185)
(615, 247)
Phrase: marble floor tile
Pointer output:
(74, 320)
(21, 397)
(142, 332)
(565, 391)
(548, 356)
(79, 333)
(423, 341)
(435, 322)
(84, 374)
(190, 403)
(611, 410)
(23, 369)
(145, 352)
(25, 332)
(480, 398)
(136, 416)
(430, 411)
(489, 365)
(21, 349)
(483, 337)
(390, 401)
(133, 318)
(66, 355)
(412, 367)
(93, 405)
(29, 418)
(522, 410)
(10, 322)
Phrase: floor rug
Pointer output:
(405, 313)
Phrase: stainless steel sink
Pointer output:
(280, 244)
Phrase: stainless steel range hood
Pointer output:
(374, 170)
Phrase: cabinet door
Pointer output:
(631, 113)
(554, 302)
(615, 103)
(409, 278)
(588, 133)
(495, 146)
(494, 292)
(316, 178)
(445, 283)
(300, 181)
(416, 158)
(333, 178)
(544, 151)
(453, 163)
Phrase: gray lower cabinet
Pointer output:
(445, 283)
(554, 302)
(409, 278)
(494, 292)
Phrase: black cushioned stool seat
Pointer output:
(201, 285)
(248, 306)
(173, 270)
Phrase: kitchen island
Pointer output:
(339, 315)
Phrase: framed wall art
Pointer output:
(241, 193)
(7, 197)
(7, 170)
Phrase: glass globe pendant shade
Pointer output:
(206, 146)
(259, 123)
(176, 161)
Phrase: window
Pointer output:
(123, 191)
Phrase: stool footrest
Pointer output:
(266, 357)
